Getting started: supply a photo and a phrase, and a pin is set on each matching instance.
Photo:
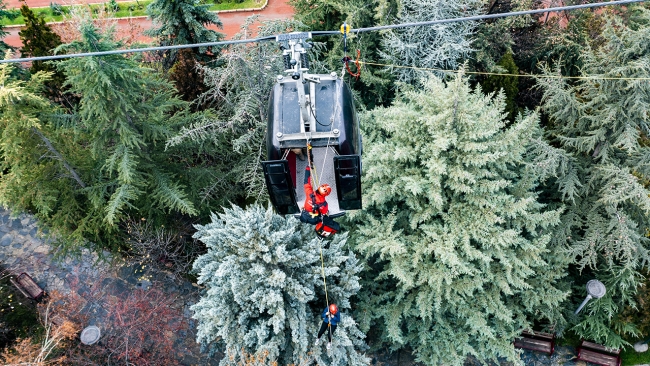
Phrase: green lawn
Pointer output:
(131, 8)
(631, 357)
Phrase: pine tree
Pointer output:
(602, 126)
(265, 290)
(435, 46)
(187, 79)
(509, 84)
(453, 222)
(182, 22)
(128, 113)
(496, 37)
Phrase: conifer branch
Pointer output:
(59, 157)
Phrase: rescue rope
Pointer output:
(320, 243)
(322, 263)
(311, 166)
(327, 301)
(336, 107)
(326, 150)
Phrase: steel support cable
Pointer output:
(326, 33)
(137, 50)
(481, 17)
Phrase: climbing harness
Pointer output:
(327, 227)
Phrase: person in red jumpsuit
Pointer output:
(315, 203)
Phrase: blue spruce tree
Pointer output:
(265, 291)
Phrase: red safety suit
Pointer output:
(314, 201)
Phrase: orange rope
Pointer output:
(356, 63)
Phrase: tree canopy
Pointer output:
(489, 199)
(452, 219)
(265, 289)
(436, 46)
(182, 22)
(601, 125)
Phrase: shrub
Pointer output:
(112, 6)
(56, 9)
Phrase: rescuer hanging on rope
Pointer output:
(315, 203)
(316, 210)
(331, 318)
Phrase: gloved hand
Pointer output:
(310, 152)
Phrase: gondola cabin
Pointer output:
(315, 108)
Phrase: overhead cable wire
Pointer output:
(137, 50)
(327, 33)
(483, 17)
(588, 77)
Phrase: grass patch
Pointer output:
(234, 6)
(125, 9)
(568, 339)
(630, 357)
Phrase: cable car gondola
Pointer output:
(317, 109)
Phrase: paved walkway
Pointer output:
(23, 249)
(232, 21)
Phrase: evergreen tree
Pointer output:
(453, 222)
(239, 91)
(41, 166)
(509, 84)
(496, 37)
(187, 79)
(9, 14)
(602, 126)
(375, 86)
(39, 40)
(434, 46)
(265, 290)
(182, 22)
(127, 112)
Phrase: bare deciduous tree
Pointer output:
(160, 248)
